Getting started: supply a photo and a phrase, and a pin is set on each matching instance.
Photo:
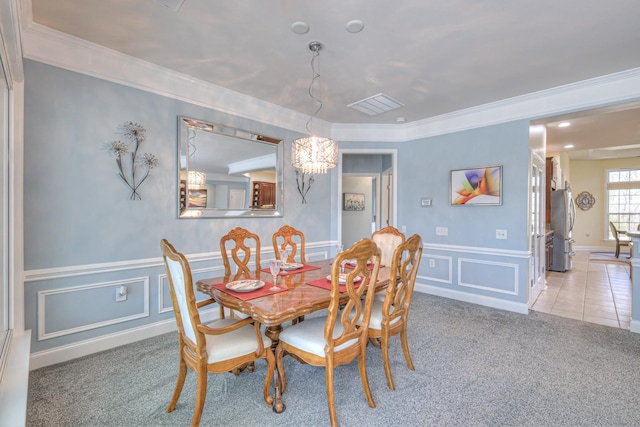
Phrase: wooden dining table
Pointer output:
(273, 310)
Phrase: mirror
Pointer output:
(227, 172)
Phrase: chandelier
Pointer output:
(195, 180)
(313, 154)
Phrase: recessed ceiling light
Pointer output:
(568, 146)
(300, 27)
(564, 124)
(401, 120)
(355, 26)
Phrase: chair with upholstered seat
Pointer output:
(387, 239)
(390, 317)
(289, 238)
(619, 242)
(218, 347)
(335, 339)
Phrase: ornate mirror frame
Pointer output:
(246, 158)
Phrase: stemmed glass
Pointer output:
(274, 268)
(284, 255)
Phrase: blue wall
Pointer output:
(84, 237)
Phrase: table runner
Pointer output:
(245, 296)
(306, 267)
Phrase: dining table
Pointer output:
(302, 291)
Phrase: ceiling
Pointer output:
(433, 57)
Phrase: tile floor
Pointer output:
(596, 292)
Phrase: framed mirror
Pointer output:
(227, 172)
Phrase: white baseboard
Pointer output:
(517, 307)
(635, 326)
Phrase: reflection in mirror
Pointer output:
(227, 172)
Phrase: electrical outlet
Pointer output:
(121, 293)
(432, 263)
(501, 234)
(404, 228)
(442, 231)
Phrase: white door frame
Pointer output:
(394, 164)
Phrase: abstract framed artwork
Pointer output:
(353, 202)
(477, 186)
(198, 198)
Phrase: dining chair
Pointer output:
(619, 242)
(391, 316)
(218, 347)
(288, 237)
(335, 339)
(239, 241)
(387, 239)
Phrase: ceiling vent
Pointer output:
(376, 104)
(173, 5)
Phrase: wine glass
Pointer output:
(284, 255)
(274, 268)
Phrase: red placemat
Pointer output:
(326, 284)
(306, 267)
(245, 296)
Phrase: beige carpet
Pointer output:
(609, 257)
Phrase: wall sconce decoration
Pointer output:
(303, 186)
(136, 134)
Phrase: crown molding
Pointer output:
(55, 48)
(61, 50)
(600, 91)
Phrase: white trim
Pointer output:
(609, 89)
(42, 295)
(478, 250)
(55, 48)
(368, 151)
(514, 291)
(110, 267)
(163, 278)
(516, 307)
(14, 387)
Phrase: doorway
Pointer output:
(373, 171)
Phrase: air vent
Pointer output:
(376, 104)
(173, 5)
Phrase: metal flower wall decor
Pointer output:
(133, 170)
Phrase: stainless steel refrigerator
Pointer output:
(563, 214)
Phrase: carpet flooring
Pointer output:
(475, 366)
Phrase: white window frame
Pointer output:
(620, 185)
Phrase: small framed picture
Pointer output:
(197, 198)
(353, 202)
(477, 187)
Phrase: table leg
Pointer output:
(273, 332)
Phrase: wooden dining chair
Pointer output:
(335, 339)
(387, 239)
(390, 317)
(240, 242)
(619, 242)
(288, 237)
(218, 347)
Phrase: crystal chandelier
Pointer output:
(195, 180)
(313, 154)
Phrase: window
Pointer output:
(623, 199)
